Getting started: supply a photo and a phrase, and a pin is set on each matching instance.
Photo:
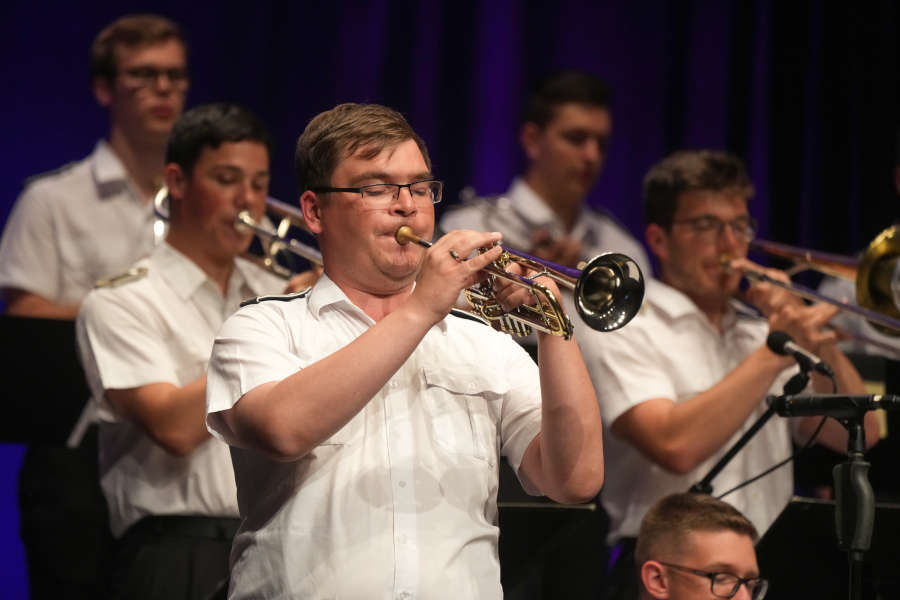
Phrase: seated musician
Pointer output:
(696, 547)
(145, 338)
(688, 375)
(565, 134)
(365, 417)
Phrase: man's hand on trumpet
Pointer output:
(448, 268)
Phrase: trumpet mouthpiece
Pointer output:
(405, 235)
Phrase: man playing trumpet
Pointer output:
(365, 418)
(689, 374)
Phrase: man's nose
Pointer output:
(404, 204)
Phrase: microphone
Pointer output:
(839, 406)
(781, 343)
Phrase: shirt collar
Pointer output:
(326, 293)
(109, 173)
(182, 274)
(675, 304)
(107, 166)
(527, 203)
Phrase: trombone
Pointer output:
(608, 291)
(873, 274)
(274, 239)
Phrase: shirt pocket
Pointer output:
(463, 410)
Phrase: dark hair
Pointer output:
(131, 31)
(209, 126)
(337, 133)
(691, 170)
(667, 524)
(561, 88)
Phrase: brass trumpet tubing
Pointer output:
(608, 291)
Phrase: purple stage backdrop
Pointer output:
(807, 93)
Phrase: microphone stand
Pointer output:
(794, 385)
(854, 508)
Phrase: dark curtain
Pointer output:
(806, 92)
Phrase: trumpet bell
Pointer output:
(609, 291)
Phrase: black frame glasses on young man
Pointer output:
(726, 585)
(425, 191)
(744, 228)
(147, 76)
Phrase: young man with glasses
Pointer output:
(696, 547)
(68, 229)
(366, 418)
(90, 219)
(690, 373)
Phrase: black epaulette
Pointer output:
(464, 314)
(280, 297)
(33, 178)
(135, 274)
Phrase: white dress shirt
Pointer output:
(152, 328)
(671, 350)
(520, 212)
(400, 503)
(74, 226)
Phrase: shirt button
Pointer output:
(401, 483)
(392, 384)
(403, 595)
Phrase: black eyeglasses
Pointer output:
(380, 195)
(710, 227)
(146, 76)
(726, 585)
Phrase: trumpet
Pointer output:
(274, 239)
(608, 291)
(872, 273)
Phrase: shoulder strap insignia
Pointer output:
(280, 297)
(128, 276)
(464, 314)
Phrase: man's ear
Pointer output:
(655, 580)
(658, 241)
(529, 137)
(176, 182)
(102, 91)
(311, 205)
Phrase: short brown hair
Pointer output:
(667, 524)
(131, 31)
(691, 170)
(337, 133)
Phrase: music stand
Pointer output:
(799, 554)
(44, 386)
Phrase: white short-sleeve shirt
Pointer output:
(520, 212)
(152, 328)
(671, 350)
(401, 502)
(73, 227)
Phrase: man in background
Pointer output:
(696, 547)
(565, 133)
(145, 339)
(68, 229)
